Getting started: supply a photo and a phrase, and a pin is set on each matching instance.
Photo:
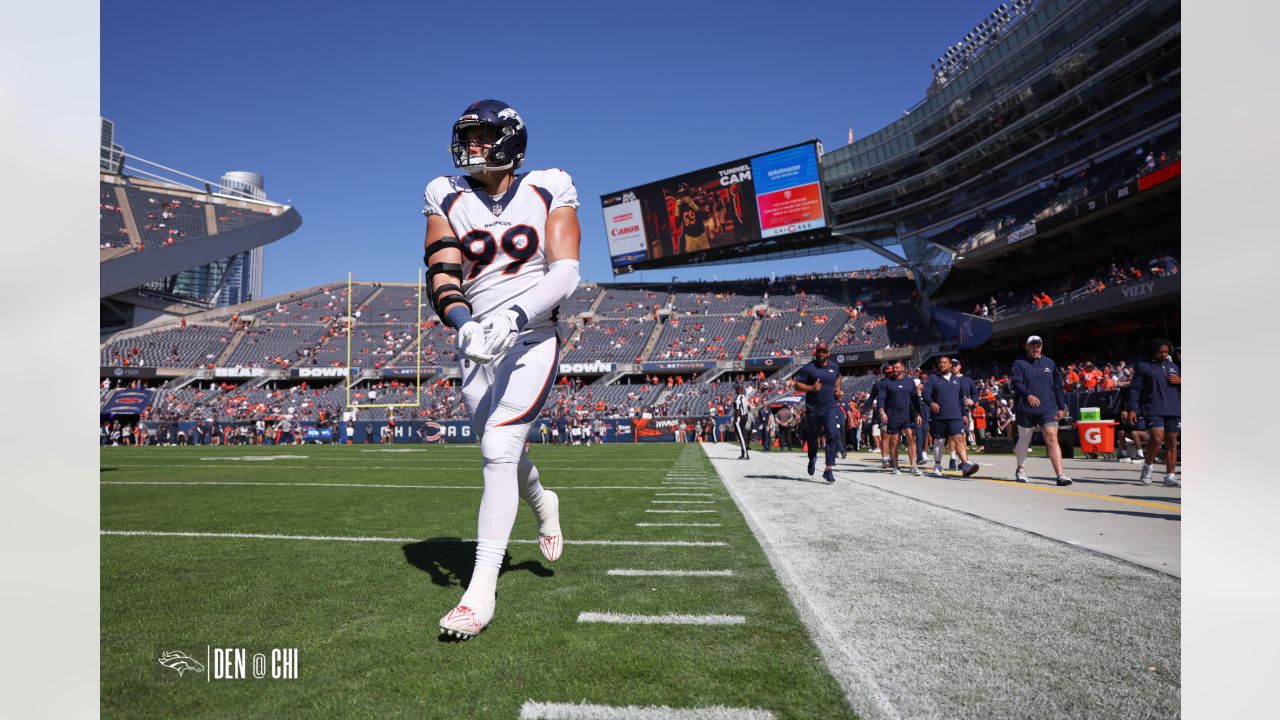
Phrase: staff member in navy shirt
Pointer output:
(945, 393)
(1155, 394)
(1040, 403)
(922, 427)
(899, 411)
(818, 381)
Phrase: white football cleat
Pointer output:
(550, 537)
(463, 623)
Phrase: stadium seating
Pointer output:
(610, 340)
(276, 346)
(372, 346)
(715, 303)
(234, 218)
(190, 346)
(702, 337)
(580, 301)
(111, 227)
(165, 219)
(619, 302)
(790, 334)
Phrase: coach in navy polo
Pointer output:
(1155, 395)
(1037, 384)
(946, 394)
(818, 381)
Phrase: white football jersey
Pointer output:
(503, 238)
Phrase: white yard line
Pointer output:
(680, 511)
(668, 619)
(367, 485)
(677, 524)
(349, 538)
(626, 572)
(532, 710)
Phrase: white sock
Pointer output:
(481, 594)
(937, 452)
(1023, 446)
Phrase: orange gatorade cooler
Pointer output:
(1097, 436)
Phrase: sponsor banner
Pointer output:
(680, 219)
(967, 331)
(855, 358)
(238, 372)
(667, 429)
(1022, 233)
(409, 372)
(788, 191)
(321, 372)
(1162, 175)
(117, 371)
(126, 402)
(625, 230)
(762, 363)
(678, 366)
(587, 368)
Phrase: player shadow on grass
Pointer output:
(449, 561)
(1134, 513)
(785, 477)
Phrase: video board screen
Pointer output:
(765, 196)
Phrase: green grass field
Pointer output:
(364, 614)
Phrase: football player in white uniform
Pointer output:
(502, 253)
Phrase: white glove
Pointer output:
(471, 342)
(500, 332)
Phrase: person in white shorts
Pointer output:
(501, 251)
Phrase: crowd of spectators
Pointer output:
(1156, 263)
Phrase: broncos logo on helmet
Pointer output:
(505, 129)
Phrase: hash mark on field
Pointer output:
(585, 711)
(670, 573)
(684, 502)
(677, 524)
(684, 494)
(680, 511)
(669, 619)
(347, 538)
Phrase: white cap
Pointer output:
(1035, 339)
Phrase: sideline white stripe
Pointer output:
(670, 573)
(680, 511)
(677, 524)
(368, 485)
(348, 538)
(683, 502)
(585, 711)
(627, 619)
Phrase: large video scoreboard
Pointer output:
(750, 206)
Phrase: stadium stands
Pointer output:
(610, 340)
(165, 219)
(699, 337)
(631, 303)
(790, 334)
(111, 230)
(276, 346)
(189, 346)
(234, 218)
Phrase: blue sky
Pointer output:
(346, 108)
